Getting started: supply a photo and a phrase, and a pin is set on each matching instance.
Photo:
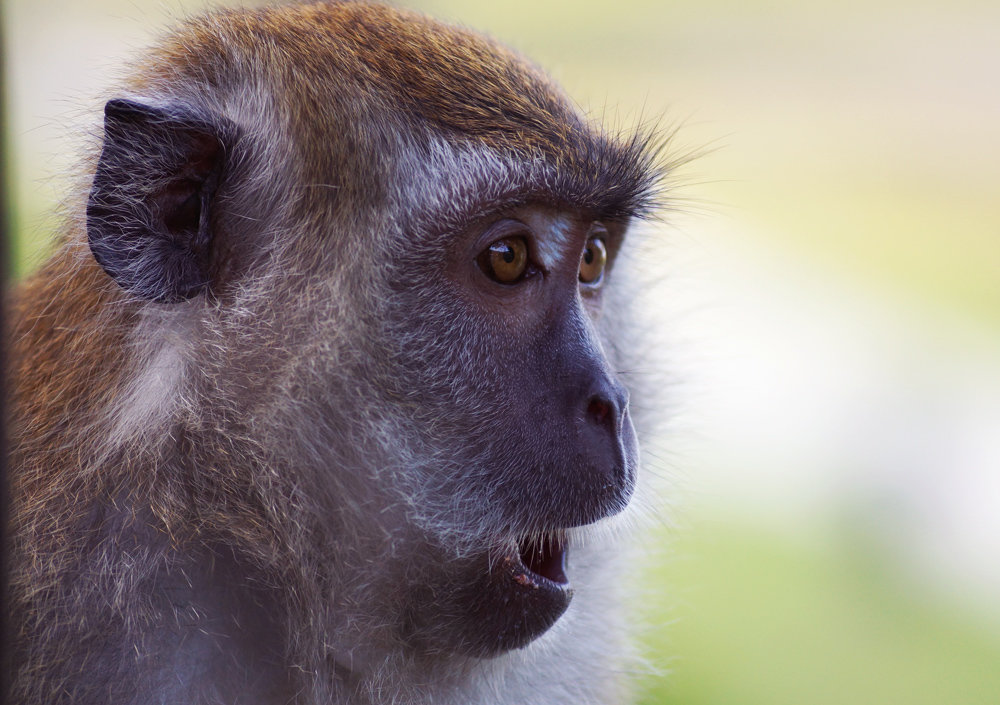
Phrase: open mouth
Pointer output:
(507, 598)
(524, 594)
(543, 560)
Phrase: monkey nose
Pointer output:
(606, 433)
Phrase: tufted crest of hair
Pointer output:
(240, 358)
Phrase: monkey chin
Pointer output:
(497, 601)
(522, 594)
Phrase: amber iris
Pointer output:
(505, 260)
(595, 257)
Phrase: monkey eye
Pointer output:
(505, 260)
(595, 257)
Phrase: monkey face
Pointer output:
(516, 379)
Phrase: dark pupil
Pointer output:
(588, 256)
(508, 255)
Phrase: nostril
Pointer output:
(599, 410)
(604, 408)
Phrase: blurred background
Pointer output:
(832, 302)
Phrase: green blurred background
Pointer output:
(832, 307)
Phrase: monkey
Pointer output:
(322, 397)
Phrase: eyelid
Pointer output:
(503, 229)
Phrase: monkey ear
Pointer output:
(149, 216)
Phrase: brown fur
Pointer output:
(349, 117)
